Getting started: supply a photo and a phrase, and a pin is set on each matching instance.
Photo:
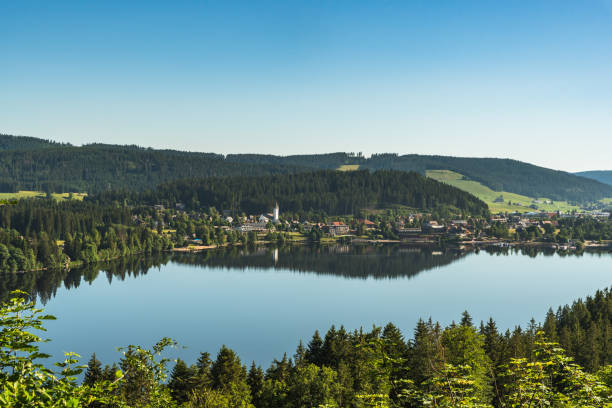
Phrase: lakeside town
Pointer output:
(557, 230)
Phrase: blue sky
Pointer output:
(530, 80)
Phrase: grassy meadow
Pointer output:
(489, 196)
(39, 194)
(348, 167)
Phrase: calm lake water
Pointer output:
(263, 301)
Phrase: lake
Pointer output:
(262, 301)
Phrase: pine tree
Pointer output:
(180, 383)
(466, 319)
(314, 353)
(550, 326)
(255, 380)
(94, 371)
(227, 369)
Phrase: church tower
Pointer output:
(276, 214)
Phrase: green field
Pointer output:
(489, 196)
(348, 167)
(606, 201)
(32, 194)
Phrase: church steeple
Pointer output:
(276, 214)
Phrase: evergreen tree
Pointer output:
(180, 383)
(314, 353)
(255, 380)
(94, 371)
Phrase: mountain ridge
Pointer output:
(28, 163)
(603, 176)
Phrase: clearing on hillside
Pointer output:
(39, 194)
(348, 167)
(499, 201)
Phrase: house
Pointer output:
(433, 227)
(337, 228)
(252, 226)
(368, 224)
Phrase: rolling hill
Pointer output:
(603, 176)
(497, 174)
(32, 164)
(500, 201)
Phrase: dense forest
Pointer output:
(461, 365)
(42, 234)
(330, 192)
(28, 163)
(497, 174)
(48, 167)
(603, 176)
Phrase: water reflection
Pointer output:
(347, 261)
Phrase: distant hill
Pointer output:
(9, 142)
(28, 163)
(497, 174)
(97, 167)
(323, 191)
(603, 176)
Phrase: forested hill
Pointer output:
(94, 168)
(603, 176)
(331, 192)
(8, 142)
(498, 174)
(28, 163)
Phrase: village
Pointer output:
(551, 229)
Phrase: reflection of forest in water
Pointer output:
(348, 261)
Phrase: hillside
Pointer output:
(9, 142)
(603, 176)
(93, 168)
(497, 174)
(324, 191)
(32, 164)
(500, 201)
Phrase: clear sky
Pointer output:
(530, 80)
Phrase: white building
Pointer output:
(276, 214)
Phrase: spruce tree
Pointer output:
(94, 371)
(255, 380)
(315, 349)
(180, 383)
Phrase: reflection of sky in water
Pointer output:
(262, 313)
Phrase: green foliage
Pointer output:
(451, 367)
(497, 174)
(329, 192)
(552, 379)
(25, 382)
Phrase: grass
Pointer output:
(488, 196)
(348, 167)
(606, 201)
(39, 194)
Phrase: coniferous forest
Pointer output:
(564, 362)
(28, 163)
(330, 192)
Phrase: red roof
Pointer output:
(337, 223)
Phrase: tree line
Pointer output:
(53, 167)
(42, 234)
(330, 192)
(498, 174)
(460, 365)
(34, 164)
